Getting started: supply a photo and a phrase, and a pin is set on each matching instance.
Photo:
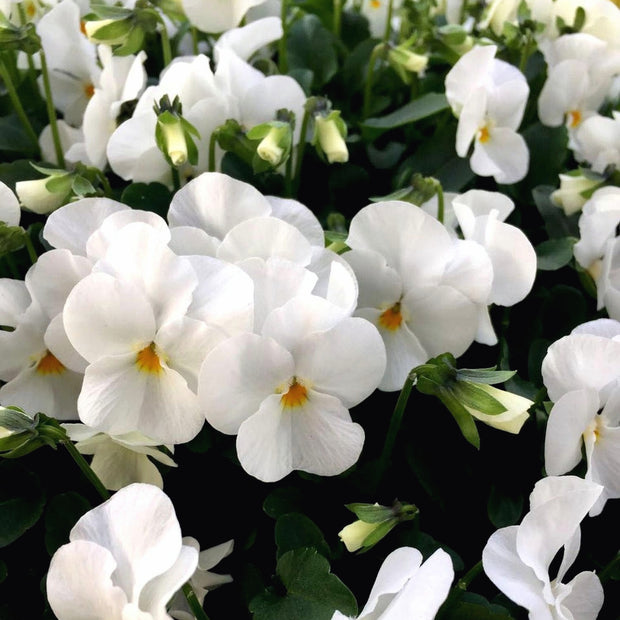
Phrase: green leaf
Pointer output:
(14, 138)
(61, 514)
(283, 500)
(4, 571)
(312, 592)
(503, 509)
(294, 531)
(153, 197)
(311, 47)
(422, 107)
(555, 253)
(21, 501)
(472, 606)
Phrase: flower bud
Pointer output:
(330, 134)
(35, 196)
(354, 534)
(570, 195)
(108, 31)
(404, 58)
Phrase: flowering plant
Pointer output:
(267, 263)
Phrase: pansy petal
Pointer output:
(299, 216)
(238, 375)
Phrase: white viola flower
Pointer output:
(71, 60)
(218, 15)
(125, 559)
(141, 373)
(120, 460)
(597, 142)
(597, 226)
(203, 579)
(10, 212)
(418, 285)
(122, 80)
(376, 12)
(481, 216)
(286, 393)
(579, 77)
(586, 412)
(489, 96)
(407, 587)
(602, 18)
(517, 558)
(39, 375)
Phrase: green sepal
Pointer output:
(132, 44)
(488, 376)
(118, 29)
(378, 533)
(12, 238)
(462, 417)
(474, 397)
(81, 186)
(370, 513)
(60, 184)
(106, 11)
(35, 433)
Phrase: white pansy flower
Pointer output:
(489, 97)
(586, 412)
(417, 284)
(517, 559)
(597, 142)
(407, 587)
(125, 560)
(286, 393)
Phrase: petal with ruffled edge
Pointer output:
(336, 279)
(238, 375)
(585, 596)
(215, 203)
(504, 156)
(317, 437)
(70, 226)
(139, 527)
(79, 583)
(299, 216)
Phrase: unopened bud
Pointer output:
(330, 139)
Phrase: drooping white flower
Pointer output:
(125, 559)
(517, 558)
(489, 96)
(417, 284)
(586, 411)
(407, 587)
(120, 460)
(286, 393)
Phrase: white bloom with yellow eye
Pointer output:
(489, 96)
(286, 393)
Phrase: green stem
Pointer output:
(86, 469)
(467, 578)
(607, 571)
(194, 32)
(301, 147)
(107, 188)
(24, 20)
(395, 422)
(165, 45)
(194, 603)
(282, 54)
(457, 591)
(388, 23)
(526, 53)
(17, 104)
(212, 143)
(376, 54)
(176, 179)
(288, 175)
(440, 204)
(51, 112)
(32, 253)
(337, 17)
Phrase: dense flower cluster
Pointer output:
(237, 227)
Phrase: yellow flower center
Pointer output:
(296, 396)
(574, 118)
(375, 4)
(391, 318)
(89, 90)
(147, 360)
(50, 365)
(31, 9)
(483, 134)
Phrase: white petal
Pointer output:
(248, 39)
(14, 299)
(9, 206)
(188, 240)
(238, 375)
(347, 361)
(79, 584)
(264, 237)
(70, 226)
(567, 422)
(470, 271)
(299, 216)
(140, 528)
(586, 596)
(104, 316)
(504, 156)
(215, 203)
